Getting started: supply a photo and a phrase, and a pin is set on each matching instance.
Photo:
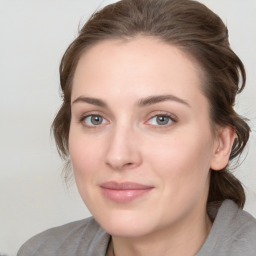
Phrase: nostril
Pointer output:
(129, 164)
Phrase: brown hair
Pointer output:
(193, 28)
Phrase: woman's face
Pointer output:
(140, 138)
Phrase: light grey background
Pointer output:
(33, 37)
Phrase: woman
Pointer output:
(148, 122)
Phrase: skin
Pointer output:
(130, 144)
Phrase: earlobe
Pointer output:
(224, 142)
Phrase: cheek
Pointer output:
(85, 157)
(84, 154)
(183, 159)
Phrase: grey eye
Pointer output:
(160, 120)
(94, 120)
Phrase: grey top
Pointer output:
(233, 233)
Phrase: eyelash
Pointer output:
(171, 121)
(83, 118)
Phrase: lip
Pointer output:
(124, 192)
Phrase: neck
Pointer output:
(180, 240)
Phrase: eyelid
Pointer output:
(92, 113)
(172, 117)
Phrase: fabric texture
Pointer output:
(233, 233)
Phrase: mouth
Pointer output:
(124, 192)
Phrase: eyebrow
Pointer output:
(93, 101)
(150, 100)
(160, 98)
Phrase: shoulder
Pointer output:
(233, 232)
(72, 239)
(241, 224)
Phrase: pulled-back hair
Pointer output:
(196, 30)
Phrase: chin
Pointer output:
(125, 223)
(126, 230)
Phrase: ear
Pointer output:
(224, 142)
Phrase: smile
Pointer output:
(124, 192)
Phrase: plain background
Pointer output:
(33, 36)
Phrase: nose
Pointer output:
(123, 151)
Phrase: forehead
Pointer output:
(130, 67)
